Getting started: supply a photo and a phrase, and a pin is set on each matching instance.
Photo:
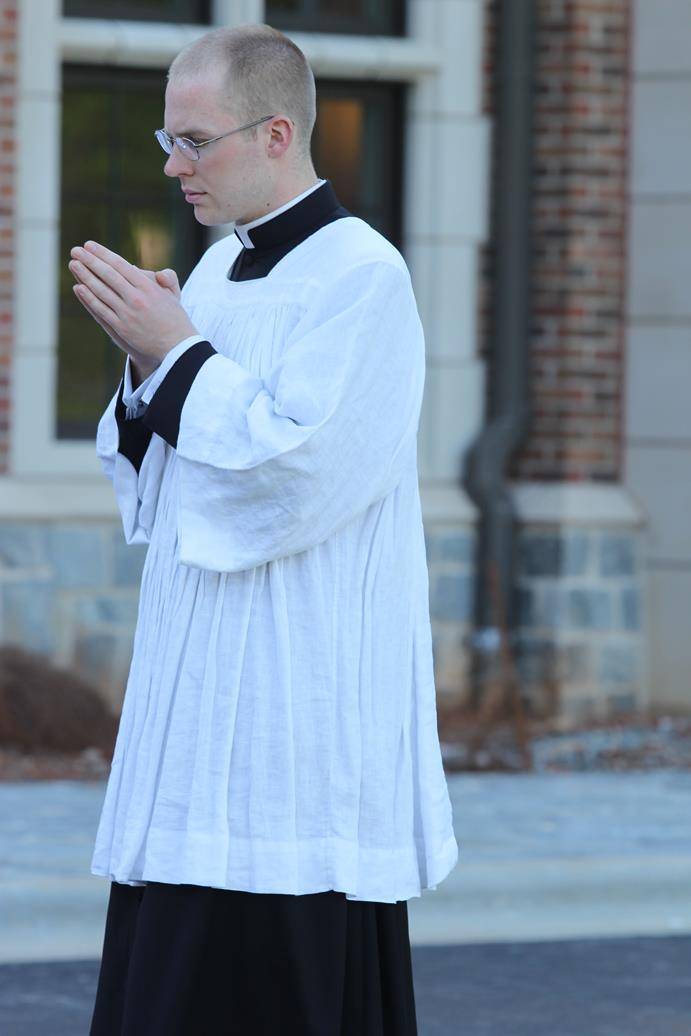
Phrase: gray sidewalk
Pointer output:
(542, 857)
(517, 940)
(578, 987)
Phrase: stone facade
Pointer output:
(450, 561)
(580, 585)
(581, 616)
(70, 591)
(657, 429)
(69, 587)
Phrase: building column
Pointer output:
(580, 586)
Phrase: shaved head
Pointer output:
(262, 72)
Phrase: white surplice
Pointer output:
(279, 725)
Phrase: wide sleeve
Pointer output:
(133, 459)
(269, 467)
(130, 455)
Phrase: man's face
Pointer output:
(233, 174)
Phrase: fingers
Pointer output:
(89, 264)
(122, 277)
(105, 326)
(87, 307)
(99, 309)
(127, 271)
(98, 287)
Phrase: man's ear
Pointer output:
(280, 137)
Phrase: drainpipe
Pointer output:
(507, 402)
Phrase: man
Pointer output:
(276, 792)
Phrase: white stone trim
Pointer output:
(34, 450)
(237, 12)
(445, 503)
(367, 57)
(153, 45)
(57, 498)
(446, 219)
(572, 503)
(86, 497)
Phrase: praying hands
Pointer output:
(139, 309)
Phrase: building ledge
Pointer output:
(576, 503)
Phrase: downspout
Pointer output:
(507, 395)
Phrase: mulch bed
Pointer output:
(87, 765)
(636, 741)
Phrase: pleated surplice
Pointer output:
(279, 731)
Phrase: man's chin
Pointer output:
(204, 216)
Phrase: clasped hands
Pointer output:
(139, 309)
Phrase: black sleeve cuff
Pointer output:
(134, 436)
(162, 415)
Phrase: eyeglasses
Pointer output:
(190, 148)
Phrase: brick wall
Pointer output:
(8, 58)
(579, 238)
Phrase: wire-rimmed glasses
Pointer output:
(190, 148)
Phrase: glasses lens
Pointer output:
(187, 148)
(164, 140)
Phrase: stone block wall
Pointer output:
(70, 591)
(451, 562)
(582, 618)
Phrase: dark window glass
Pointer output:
(385, 17)
(358, 145)
(194, 11)
(113, 190)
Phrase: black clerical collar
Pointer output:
(276, 237)
(304, 215)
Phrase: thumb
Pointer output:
(169, 279)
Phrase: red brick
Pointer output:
(579, 238)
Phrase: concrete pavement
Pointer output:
(542, 856)
(568, 913)
(609, 987)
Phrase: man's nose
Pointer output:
(176, 164)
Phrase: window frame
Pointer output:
(394, 94)
(82, 73)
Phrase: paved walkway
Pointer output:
(581, 857)
(610, 987)
(541, 857)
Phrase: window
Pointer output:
(113, 190)
(358, 145)
(365, 17)
(193, 11)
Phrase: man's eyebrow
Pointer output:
(193, 133)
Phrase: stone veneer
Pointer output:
(581, 617)
(451, 563)
(70, 591)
